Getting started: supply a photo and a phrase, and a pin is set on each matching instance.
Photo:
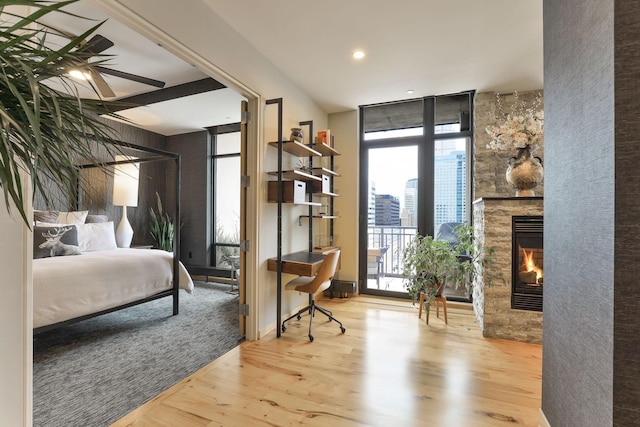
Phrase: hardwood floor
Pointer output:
(388, 369)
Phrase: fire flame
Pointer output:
(530, 265)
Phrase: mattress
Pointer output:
(66, 287)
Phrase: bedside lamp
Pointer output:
(125, 193)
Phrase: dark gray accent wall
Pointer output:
(97, 186)
(151, 180)
(591, 363)
(626, 294)
(195, 200)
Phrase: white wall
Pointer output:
(345, 127)
(16, 310)
(203, 34)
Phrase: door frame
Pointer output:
(426, 144)
(124, 15)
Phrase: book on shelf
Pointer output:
(325, 137)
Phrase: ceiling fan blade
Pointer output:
(129, 76)
(102, 85)
(97, 44)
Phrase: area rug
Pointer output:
(92, 373)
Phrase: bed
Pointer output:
(83, 274)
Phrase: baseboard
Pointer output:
(271, 327)
(543, 422)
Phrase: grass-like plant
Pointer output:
(44, 132)
(161, 227)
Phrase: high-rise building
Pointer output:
(371, 208)
(411, 203)
(387, 210)
(450, 188)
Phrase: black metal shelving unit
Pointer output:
(311, 151)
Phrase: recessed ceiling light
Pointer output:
(410, 91)
(358, 54)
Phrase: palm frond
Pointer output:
(45, 132)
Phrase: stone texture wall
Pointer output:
(492, 288)
(489, 167)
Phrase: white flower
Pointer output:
(518, 130)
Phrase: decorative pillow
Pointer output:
(77, 217)
(91, 219)
(58, 240)
(96, 236)
(46, 216)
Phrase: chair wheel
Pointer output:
(299, 317)
(283, 328)
(342, 329)
(311, 338)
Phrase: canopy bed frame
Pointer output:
(149, 155)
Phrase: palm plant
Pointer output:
(45, 132)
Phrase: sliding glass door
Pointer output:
(392, 211)
(415, 168)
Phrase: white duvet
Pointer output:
(65, 287)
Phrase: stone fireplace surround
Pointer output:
(492, 288)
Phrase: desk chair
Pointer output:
(312, 285)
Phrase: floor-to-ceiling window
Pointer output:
(226, 174)
(415, 159)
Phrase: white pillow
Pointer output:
(98, 236)
(77, 217)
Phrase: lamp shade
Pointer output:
(125, 182)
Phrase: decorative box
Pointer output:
(292, 191)
(323, 186)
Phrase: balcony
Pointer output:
(384, 260)
(384, 256)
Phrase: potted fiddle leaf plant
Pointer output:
(47, 128)
(428, 263)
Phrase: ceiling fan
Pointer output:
(95, 46)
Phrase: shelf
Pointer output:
(324, 171)
(296, 174)
(297, 149)
(301, 217)
(325, 149)
(326, 194)
(305, 203)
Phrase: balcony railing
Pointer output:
(384, 254)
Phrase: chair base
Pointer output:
(438, 300)
(311, 308)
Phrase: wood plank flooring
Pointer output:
(388, 369)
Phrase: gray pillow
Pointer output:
(94, 219)
(55, 241)
(46, 216)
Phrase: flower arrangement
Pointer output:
(524, 126)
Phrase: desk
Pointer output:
(302, 263)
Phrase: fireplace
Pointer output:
(527, 263)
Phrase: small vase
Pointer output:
(296, 135)
(524, 172)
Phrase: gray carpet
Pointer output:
(92, 373)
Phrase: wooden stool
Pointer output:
(439, 299)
